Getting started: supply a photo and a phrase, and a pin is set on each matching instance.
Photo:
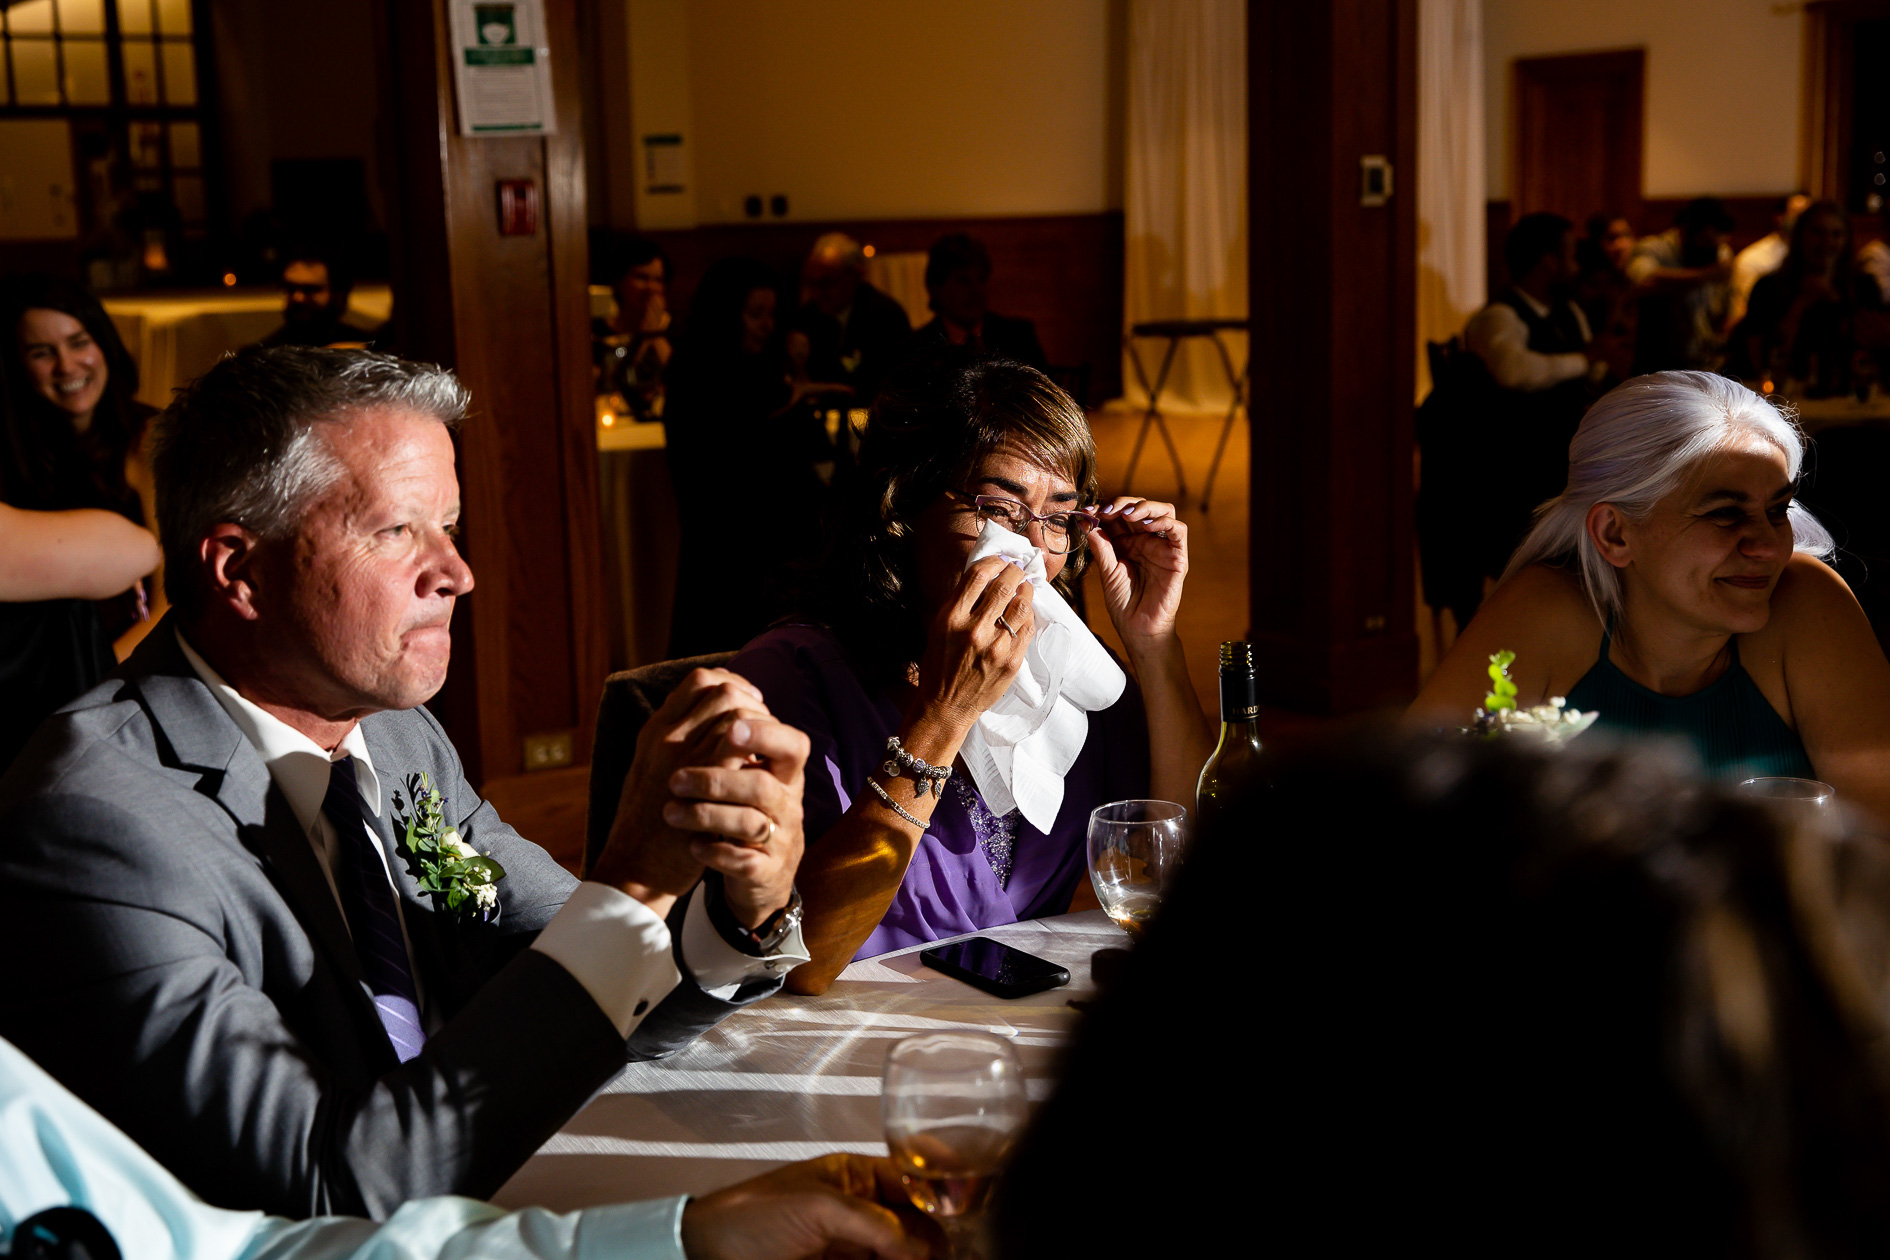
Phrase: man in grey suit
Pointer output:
(211, 906)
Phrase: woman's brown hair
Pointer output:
(932, 422)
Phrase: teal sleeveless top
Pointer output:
(1732, 726)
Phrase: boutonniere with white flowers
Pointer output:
(460, 877)
(1500, 715)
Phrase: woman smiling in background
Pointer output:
(1675, 587)
(71, 547)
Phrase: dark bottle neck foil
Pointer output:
(1239, 697)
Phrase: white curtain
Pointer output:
(1185, 202)
(1451, 282)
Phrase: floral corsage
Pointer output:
(460, 878)
(1552, 722)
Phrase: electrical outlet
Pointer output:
(547, 750)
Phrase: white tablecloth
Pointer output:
(795, 1077)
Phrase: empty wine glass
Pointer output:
(952, 1104)
(1134, 848)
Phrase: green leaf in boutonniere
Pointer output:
(461, 878)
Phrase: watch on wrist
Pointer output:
(758, 941)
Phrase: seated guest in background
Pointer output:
(71, 432)
(741, 449)
(1634, 1018)
(64, 1159)
(1675, 587)
(958, 282)
(633, 347)
(1798, 326)
(855, 333)
(317, 282)
(1511, 402)
(1602, 287)
(215, 937)
(1684, 277)
(896, 636)
(1764, 256)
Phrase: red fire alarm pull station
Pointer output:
(518, 207)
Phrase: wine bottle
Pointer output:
(1236, 764)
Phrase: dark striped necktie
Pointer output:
(373, 914)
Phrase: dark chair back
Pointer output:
(630, 698)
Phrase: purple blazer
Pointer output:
(951, 887)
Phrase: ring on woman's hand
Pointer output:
(1006, 625)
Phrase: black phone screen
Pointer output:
(995, 967)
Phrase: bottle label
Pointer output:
(1239, 703)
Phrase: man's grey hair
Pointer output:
(242, 443)
(841, 248)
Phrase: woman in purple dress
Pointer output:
(897, 637)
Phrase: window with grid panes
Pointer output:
(123, 72)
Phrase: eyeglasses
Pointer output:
(1062, 531)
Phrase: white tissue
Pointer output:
(1022, 746)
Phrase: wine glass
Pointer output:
(952, 1104)
(1799, 802)
(1134, 848)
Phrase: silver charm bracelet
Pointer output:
(894, 806)
(926, 777)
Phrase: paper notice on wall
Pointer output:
(502, 68)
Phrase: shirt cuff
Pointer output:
(718, 967)
(616, 947)
(651, 1230)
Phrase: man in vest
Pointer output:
(1545, 365)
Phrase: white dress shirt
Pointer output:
(1751, 265)
(1497, 335)
(611, 943)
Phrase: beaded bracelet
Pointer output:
(894, 805)
(927, 778)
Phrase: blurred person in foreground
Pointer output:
(632, 346)
(1676, 588)
(73, 550)
(1520, 1002)
(958, 284)
(1799, 325)
(854, 333)
(1764, 256)
(317, 281)
(68, 1176)
(1684, 280)
(254, 912)
(742, 448)
(898, 636)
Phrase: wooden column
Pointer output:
(1333, 300)
(510, 315)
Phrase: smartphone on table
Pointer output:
(995, 967)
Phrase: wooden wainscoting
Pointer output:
(1063, 271)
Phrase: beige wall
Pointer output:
(1723, 84)
(885, 108)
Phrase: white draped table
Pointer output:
(790, 1078)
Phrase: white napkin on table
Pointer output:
(1020, 749)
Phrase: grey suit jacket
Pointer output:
(174, 956)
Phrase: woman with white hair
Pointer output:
(1675, 587)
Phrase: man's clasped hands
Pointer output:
(716, 785)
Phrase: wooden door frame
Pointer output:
(1586, 66)
(1825, 142)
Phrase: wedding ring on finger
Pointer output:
(1006, 625)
